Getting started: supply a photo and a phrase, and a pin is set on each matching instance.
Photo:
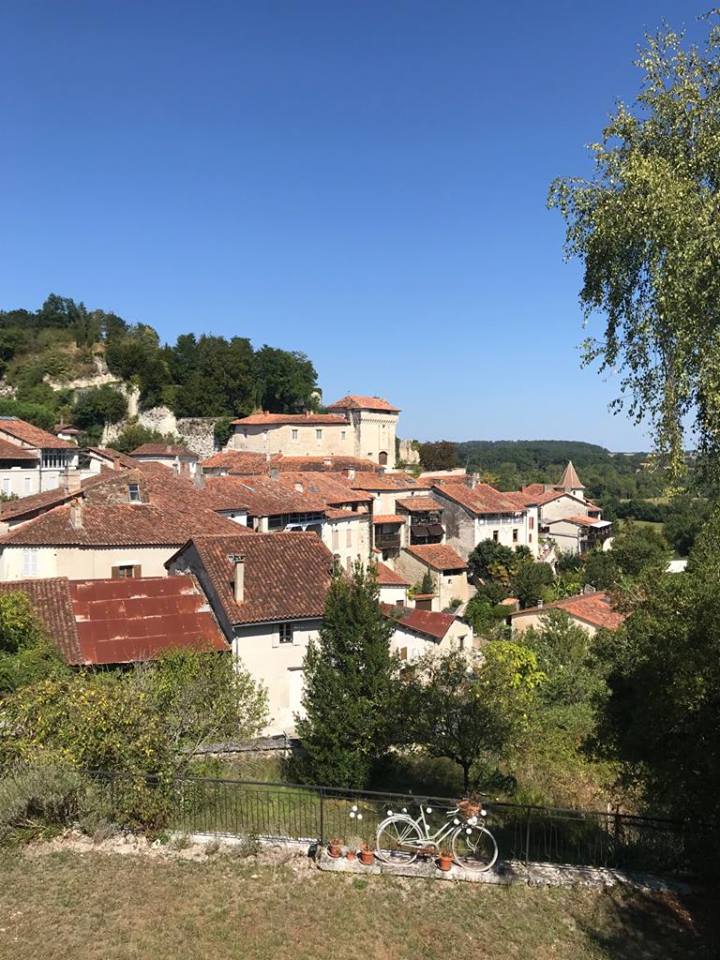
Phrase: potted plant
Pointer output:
(334, 848)
(366, 855)
(445, 860)
(351, 855)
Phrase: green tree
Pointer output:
(636, 547)
(26, 653)
(601, 569)
(134, 435)
(285, 380)
(474, 713)
(531, 581)
(441, 455)
(350, 685)
(664, 708)
(492, 560)
(686, 518)
(646, 230)
(99, 406)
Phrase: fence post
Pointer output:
(527, 838)
(322, 817)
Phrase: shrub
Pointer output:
(34, 795)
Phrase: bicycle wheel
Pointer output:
(474, 847)
(398, 840)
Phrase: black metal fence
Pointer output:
(523, 832)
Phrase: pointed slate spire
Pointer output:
(570, 479)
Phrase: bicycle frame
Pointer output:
(443, 831)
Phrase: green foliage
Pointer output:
(222, 431)
(350, 685)
(487, 619)
(646, 231)
(664, 710)
(441, 455)
(40, 416)
(132, 726)
(286, 380)
(474, 713)
(601, 569)
(427, 584)
(134, 435)
(26, 654)
(530, 582)
(686, 518)
(636, 548)
(492, 561)
(99, 406)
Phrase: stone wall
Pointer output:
(197, 433)
(407, 452)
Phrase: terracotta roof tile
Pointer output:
(171, 511)
(439, 556)
(287, 575)
(593, 608)
(481, 499)
(386, 481)
(261, 496)
(114, 456)
(334, 463)
(276, 419)
(333, 490)
(386, 577)
(426, 622)
(13, 451)
(354, 401)
(33, 435)
(419, 504)
(570, 480)
(163, 450)
(389, 518)
(239, 461)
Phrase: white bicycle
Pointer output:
(400, 837)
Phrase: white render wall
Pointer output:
(348, 539)
(447, 587)
(277, 666)
(80, 563)
(392, 594)
(411, 646)
(24, 481)
(278, 438)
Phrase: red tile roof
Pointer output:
(439, 556)
(52, 604)
(386, 577)
(262, 496)
(389, 518)
(37, 503)
(593, 608)
(481, 499)
(287, 575)
(13, 451)
(584, 521)
(330, 463)
(570, 480)
(419, 504)
(239, 461)
(32, 435)
(114, 456)
(275, 419)
(426, 622)
(171, 511)
(126, 621)
(332, 489)
(385, 481)
(354, 401)
(163, 450)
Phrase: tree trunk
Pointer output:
(466, 778)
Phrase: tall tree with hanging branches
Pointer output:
(646, 227)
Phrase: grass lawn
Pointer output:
(97, 906)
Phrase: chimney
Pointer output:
(274, 473)
(71, 481)
(299, 487)
(238, 577)
(472, 483)
(76, 514)
(351, 474)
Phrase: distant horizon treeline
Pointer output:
(202, 376)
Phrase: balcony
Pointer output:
(387, 541)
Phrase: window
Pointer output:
(529, 538)
(294, 434)
(343, 434)
(28, 484)
(53, 458)
(461, 643)
(335, 539)
(318, 434)
(134, 492)
(531, 522)
(30, 563)
(286, 633)
(348, 536)
(515, 535)
(496, 535)
(126, 571)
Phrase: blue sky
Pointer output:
(364, 181)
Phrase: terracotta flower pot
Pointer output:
(351, 855)
(334, 850)
(367, 857)
(444, 862)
